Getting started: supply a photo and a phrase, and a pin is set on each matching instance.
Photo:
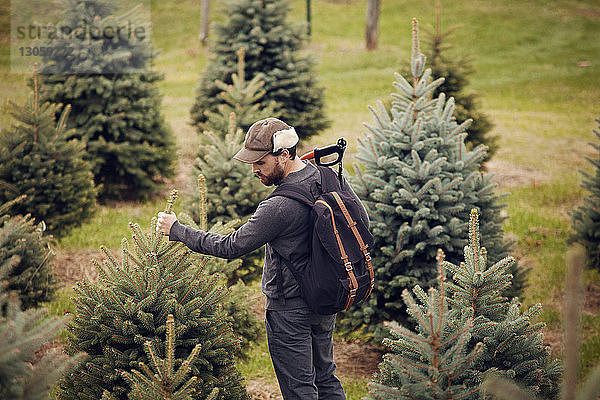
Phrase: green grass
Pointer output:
(110, 224)
(541, 101)
(60, 306)
(538, 217)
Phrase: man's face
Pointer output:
(269, 169)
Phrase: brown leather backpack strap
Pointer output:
(359, 239)
(345, 259)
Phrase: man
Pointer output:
(300, 341)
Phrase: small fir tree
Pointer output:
(432, 363)
(26, 370)
(129, 307)
(589, 389)
(272, 48)
(238, 304)
(39, 159)
(495, 337)
(455, 72)
(114, 95)
(243, 98)
(31, 277)
(586, 218)
(233, 192)
(418, 181)
(514, 344)
(164, 382)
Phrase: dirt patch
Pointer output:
(71, 266)
(554, 339)
(182, 181)
(507, 175)
(263, 389)
(357, 358)
(587, 12)
(591, 306)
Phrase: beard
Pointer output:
(273, 178)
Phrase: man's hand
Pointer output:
(165, 222)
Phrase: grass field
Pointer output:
(537, 69)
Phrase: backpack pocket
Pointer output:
(364, 286)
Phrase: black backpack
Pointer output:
(340, 271)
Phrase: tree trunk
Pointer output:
(204, 21)
(372, 24)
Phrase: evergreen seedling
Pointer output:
(39, 159)
(432, 363)
(513, 343)
(129, 307)
(163, 381)
(114, 97)
(417, 180)
(272, 47)
(586, 218)
(243, 98)
(494, 337)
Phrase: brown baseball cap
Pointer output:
(259, 140)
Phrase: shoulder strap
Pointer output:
(329, 182)
(293, 192)
(329, 179)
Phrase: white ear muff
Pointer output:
(284, 139)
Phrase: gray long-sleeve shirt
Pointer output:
(280, 223)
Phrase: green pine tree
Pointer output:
(39, 159)
(238, 304)
(26, 370)
(586, 218)
(418, 181)
(571, 388)
(129, 306)
(513, 343)
(233, 192)
(272, 48)
(243, 98)
(494, 337)
(432, 363)
(455, 72)
(163, 381)
(31, 277)
(114, 97)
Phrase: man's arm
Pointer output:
(262, 227)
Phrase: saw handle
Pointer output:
(319, 152)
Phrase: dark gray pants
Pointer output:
(301, 347)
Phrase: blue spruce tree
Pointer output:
(466, 330)
(432, 363)
(418, 182)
